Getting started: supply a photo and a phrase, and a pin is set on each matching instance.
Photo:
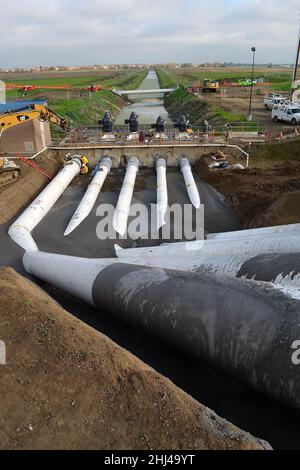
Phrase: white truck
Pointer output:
(289, 114)
(272, 100)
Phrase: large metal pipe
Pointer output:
(88, 201)
(252, 246)
(272, 257)
(21, 229)
(279, 269)
(162, 192)
(191, 186)
(244, 328)
(256, 232)
(276, 268)
(123, 207)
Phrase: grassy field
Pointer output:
(279, 79)
(126, 79)
(77, 105)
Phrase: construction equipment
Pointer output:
(211, 86)
(29, 113)
(94, 88)
(9, 171)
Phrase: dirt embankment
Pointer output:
(260, 197)
(16, 195)
(181, 103)
(66, 386)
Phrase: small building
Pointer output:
(28, 137)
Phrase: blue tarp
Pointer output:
(19, 105)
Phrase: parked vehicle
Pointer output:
(289, 114)
(246, 83)
(271, 101)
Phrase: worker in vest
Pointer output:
(84, 166)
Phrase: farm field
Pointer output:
(75, 103)
(279, 79)
(232, 105)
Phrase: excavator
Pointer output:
(31, 112)
(8, 169)
(211, 86)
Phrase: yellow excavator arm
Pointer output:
(43, 113)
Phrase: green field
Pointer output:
(77, 105)
(279, 79)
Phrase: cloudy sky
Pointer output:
(71, 32)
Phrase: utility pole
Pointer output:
(253, 49)
(294, 86)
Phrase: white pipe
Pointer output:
(276, 243)
(88, 201)
(227, 265)
(256, 232)
(191, 187)
(162, 192)
(20, 231)
(62, 271)
(74, 275)
(123, 207)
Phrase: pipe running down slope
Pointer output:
(21, 229)
(123, 207)
(88, 201)
(191, 186)
(162, 192)
(245, 328)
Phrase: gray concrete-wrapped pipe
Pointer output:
(273, 268)
(244, 328)
(20, 230)
(279, 269)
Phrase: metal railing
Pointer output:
(87, 136)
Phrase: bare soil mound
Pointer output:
(260, 197)
(66, 386)
(20, 192)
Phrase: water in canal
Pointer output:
(147, 107)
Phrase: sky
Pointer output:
(86, 32)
